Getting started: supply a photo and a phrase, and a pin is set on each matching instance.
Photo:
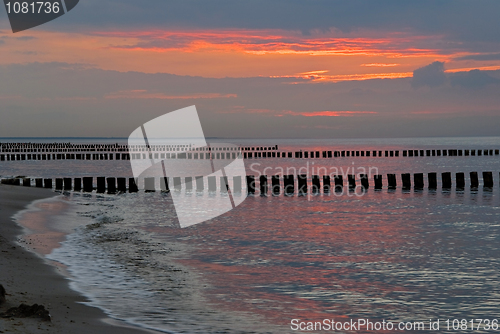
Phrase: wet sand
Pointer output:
(28, 278)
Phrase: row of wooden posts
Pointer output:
(375, 153)
(246, 155)
(82, 151)
(68, 147)
(286, 184)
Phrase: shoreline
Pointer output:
(30, 279)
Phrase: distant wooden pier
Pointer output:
(68, 151)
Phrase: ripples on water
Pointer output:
(387, 255)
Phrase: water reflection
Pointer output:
(406, 255)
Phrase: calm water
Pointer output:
(393, 255)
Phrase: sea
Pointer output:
(287, 264)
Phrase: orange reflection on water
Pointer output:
(309, 259)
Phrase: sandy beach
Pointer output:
(29, 279)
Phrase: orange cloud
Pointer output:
(240, 53)
(379, 65)
(267, 42)
(482, 68)
(320, 76)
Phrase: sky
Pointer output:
(257, 69)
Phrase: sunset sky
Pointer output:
(291, 69)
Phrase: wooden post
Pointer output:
(351, 179)
(316, 185)
(391, 181)
(263, 185)
(111, 182)
(289, 185)
(59, 184)
(446, 178)
(406, 179)
(101, 184)
(302, 184)
(275, 181)
(418, 181)
(488, 179)
(188, 181)
(132, 185)
(164, 184)
(39, 183)
(432, 177)
(326, 184)
(460, 180)
(364, 181)
(77, 184)
(88, 184)
(212, 183)
(224, 185)
(200, 186)
(67, 183)
(251, 184)
(47, 183)
(237, 184)
(474, 180)
(377, 179)
(339, 182)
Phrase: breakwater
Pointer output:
(68, 151)
(263, 184)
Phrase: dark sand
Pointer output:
(29, 279)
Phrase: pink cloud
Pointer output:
(329, 113)
(281, 113)
(143, 94)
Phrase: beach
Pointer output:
(29, 279)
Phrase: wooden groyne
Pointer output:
(67, 151)
(288, 184)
